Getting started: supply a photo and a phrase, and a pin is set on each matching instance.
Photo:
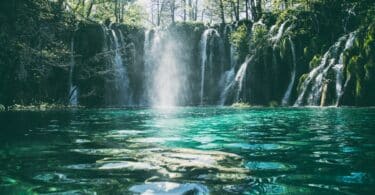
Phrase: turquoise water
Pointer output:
(189, 150)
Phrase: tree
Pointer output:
(222, 15)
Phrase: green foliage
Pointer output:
(240, 39)
(273, 104)
(315, 61)
(301, 81)
(135, 15)
(359, 61)
(260, 36)
(35, 45)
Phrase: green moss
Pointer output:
(315, 61)
(38, 107)
(241, 105)
(273, 104)
(2, 108)
(301, 81)
(240, 40)
(370, 70)
(358, 88)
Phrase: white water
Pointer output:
(121, 74)
(73, 90)
(286, 98)
(333, 59)
(241, 74)
(226, 85)
(204, 63)
(165, 75)
(148, 69)
(234, 82)
(339, 68)
(169, 188)
(279, 34)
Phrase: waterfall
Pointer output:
(339, 68)
(234, 82)
(225, 84)
(286, 98)
(241, 74)
(121, 74)
(279, 34)
(314, 85)
(147, 70)
(165, 72)
(204, 64)
(73, 90)
(233, 56)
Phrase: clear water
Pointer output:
(189, 150)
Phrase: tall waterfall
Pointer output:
(286, 98)
(120, 70)
(165, 75)
(147, 47)
(73, 90)
(339, 68)
(206, 61)
(227, 77)
(314, 88)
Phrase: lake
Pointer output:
(191, 150)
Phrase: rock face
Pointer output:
(109, 64)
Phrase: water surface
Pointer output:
(196, 150)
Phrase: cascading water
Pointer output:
(279, 34)
(147, 47)
(234, 82)
(339, 68)
(205, 62)
(241, 74)
(121, 74)
(225, 84)
(286, 99)
(227, 77)
(73, 90)
(165, 73)
(315, 87)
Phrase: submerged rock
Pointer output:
(166, 188)
(127, 165)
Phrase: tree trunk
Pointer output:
(173, 8)
(258, 9)
(158, 13)
(196, 10)
(184, 8)
(234, 11)
(247, 9)
(222, 16)
(190, 6)
(238, 11)
(77, 5)
(89, 9)
(285, 4)
(116, 10)
(122, 13)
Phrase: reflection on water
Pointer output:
(188, 151)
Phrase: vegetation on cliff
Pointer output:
(39, 41)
